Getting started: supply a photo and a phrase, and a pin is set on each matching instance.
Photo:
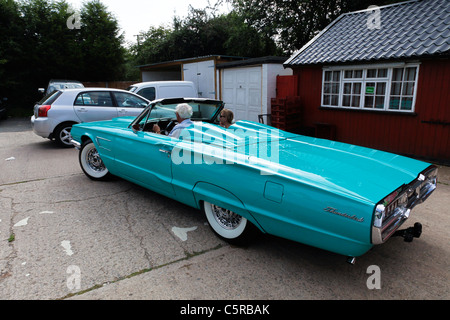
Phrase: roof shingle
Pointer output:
(407, 30)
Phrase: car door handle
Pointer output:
(165, 151)
(122, 111)
(82, 110)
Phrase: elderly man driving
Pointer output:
(183, 112)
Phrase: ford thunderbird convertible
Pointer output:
(331, 195)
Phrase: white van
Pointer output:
(164, 89)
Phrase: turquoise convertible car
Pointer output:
(331, 195)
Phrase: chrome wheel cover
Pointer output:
(227, 219)
(94, 161)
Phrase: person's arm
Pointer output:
(156, 129)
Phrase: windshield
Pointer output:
(203, 110)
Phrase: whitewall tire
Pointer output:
(91, 163)
(226, 224)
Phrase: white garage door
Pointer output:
(202, 74)
(241, 92)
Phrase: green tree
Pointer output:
(10, 27)
(149, 46)
(203, 32)
(38, 43)
(100, 42)
(293, 23)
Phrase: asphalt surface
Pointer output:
(63, 236)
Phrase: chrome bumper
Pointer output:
(389, 217)
(76, 144)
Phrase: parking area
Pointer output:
(63, 236)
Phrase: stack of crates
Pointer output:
(286, 113)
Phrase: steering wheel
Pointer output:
(167, 129)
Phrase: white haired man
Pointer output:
(183, 112)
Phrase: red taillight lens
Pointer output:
(43, 110)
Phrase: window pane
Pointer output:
(397, 74)
(104, 99)
(396, 88)
(327, 75)
(357, 88)
(410, 74)
(394, 103)
(148, 93)
(381, 88)
(79, 101)
(371, 73)
(348, 74)
(355, 101)
(336, 75)
(382, 73)
(99, 99)
(347, 88)
(334, 100)
(357, 74)
(408, 88)
(368, 102)
(379, 102)
(335, 88)
(126, 100)
(346, 100)
(406, 103)
(326, 99)
(327, 88)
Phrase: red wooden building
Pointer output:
(380, 78)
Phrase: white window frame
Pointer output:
(363, 80)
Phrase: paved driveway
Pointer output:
(65, 236)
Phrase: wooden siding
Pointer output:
(424, 134)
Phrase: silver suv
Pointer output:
(60, 85)
(55, 114)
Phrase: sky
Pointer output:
(138, 15)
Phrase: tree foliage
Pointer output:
(38, 44)
(293, 23)
(203, 32)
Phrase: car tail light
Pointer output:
(43, 110)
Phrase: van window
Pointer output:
(149, 93)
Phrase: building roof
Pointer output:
(252, 61)
(178, 62)
(406, 30)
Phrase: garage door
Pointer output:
(241, 92)
(202, 74)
